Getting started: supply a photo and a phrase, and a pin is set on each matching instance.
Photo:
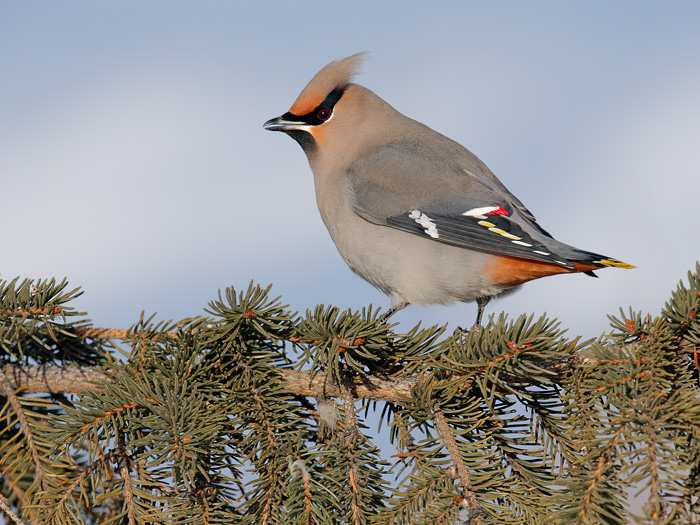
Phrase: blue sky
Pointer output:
(134, 163)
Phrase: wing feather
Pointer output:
(407, 187)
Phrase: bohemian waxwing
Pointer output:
(411, 211)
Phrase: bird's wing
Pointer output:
(439, 198)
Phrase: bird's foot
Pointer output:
(384, 319)
(395, 307)
(475, 329)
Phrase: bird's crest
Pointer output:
(337, 74)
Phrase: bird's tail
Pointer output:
(589, 261)
(600, 261)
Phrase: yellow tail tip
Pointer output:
(614, 263)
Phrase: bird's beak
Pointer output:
(284, 123)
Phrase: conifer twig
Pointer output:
(350, 437)
(7, 509)
(128, 489)
(472, 506)
(102, 458)
(9, 393)
(604, 463)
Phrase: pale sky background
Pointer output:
(133, 159)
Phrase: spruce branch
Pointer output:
(125, 471)
(74, 379)
(469, 501)
(7, 509)
(99, 461)
(51, 378)
(540, 426)
(9, 393)
(350, 434)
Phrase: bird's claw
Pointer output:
(475, 329)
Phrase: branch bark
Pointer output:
(77, 379)
(54, 379)
(73, 379)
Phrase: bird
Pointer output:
(411, 211)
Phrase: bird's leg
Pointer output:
(481, 303)
(395, 307)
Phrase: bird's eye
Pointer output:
(323, 114)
